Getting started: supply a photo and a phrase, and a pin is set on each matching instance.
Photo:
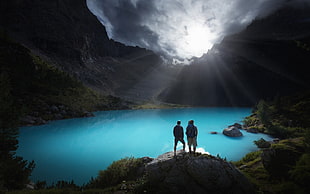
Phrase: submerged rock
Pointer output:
(232, 131)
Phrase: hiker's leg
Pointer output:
(175, 146)
(183, 142)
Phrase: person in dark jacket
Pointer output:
(191, 133)
(178, 136)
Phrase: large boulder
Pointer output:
(186, 173)
(232, 131)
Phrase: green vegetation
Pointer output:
(283, 117)
(41, 90)
(262, 143)
(31, 87)
(151, 105)
(14, 171)
(248, 159)
(123, 170)
(58, 191)
(283, 167)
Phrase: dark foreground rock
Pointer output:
(187, 173)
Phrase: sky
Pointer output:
(179, 29)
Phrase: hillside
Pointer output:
(42, 92)
(268, 58)
(67, 35)
(282, 166)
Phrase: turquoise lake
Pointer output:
(76, 149)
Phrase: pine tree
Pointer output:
(263, 113)
(14, 171)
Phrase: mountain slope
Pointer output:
(268, 58)
(40, 91)
(68, 35)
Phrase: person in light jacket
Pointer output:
(191, 133)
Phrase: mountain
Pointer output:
(39, 92)
(269, 58)
(66, 34)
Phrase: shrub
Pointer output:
(249, 158)
(263, 113)
(14, 171)
(250, 121)
(118, 171)
(278, 130)
(261, 143)
(301, 172)
(280, 158)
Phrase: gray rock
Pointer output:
(195, 174)
(28, 119)
(54, 109)
(88, 114)
(237, 125)
(31, 120)
(58, 116)
(232, 131)
(252, 130)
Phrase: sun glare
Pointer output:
(198, 40)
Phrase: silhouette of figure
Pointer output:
(191, 133)
(178, 136)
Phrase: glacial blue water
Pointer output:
(76, 149)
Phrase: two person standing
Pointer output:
(191, 133)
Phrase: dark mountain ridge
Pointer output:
(268, 58)
(68, 35)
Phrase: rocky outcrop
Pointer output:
(232, 131)
(187, 173)
(280, 157)
(44, 113)
(252, 130)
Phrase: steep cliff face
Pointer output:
(268, 58)
(67, 34)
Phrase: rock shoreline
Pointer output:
(234, 130)
(47, 113)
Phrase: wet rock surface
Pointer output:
(232, 131)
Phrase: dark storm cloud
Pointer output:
(123, 20)
(170, 26)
